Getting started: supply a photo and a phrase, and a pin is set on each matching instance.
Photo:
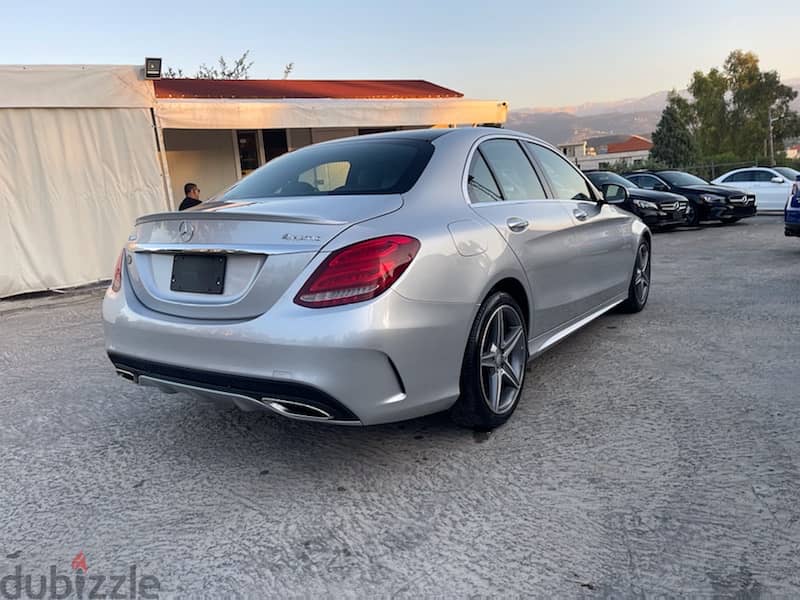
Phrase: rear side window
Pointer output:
(512, 170)
(566, 181)
(338, 168)
(480, 183)
(647, 182)
(748, 176)
(762, 176)
(743, 176)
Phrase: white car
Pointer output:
(771, 185)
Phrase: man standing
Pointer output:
(192, 193)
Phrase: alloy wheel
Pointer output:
(641, 279)
(503, 357)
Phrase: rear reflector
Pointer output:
(358, 272)
(116, 283)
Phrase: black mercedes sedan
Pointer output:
(707, 202)
(657, 209)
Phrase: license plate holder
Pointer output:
(198, 273)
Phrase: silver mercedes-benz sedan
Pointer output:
(375, 279)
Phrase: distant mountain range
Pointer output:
(564, 124)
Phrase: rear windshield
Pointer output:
(787, 172)
(338, 168)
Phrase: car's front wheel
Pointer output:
(692, 216)
(494, 366)
(639, 287)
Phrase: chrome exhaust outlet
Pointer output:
(126, 375)
(297, 410)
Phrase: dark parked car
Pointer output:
(707, 202)
(656, 209)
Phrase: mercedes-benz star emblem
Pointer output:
(186, 231)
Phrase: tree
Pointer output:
(710, 107)
(732, 108)
(673, 140)
(171, 73)
(287, 70)
(755, 95)
(239, 69)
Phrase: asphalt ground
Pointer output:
(653, 455)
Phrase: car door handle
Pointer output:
(516, 224)
(579, 214)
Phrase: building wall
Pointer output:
(600, 161)
(203, 156)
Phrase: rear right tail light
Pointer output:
(358, 272)
(116, 283)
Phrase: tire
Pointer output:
(730, 219)
(639, 287)
(483, 405)
(692, 216)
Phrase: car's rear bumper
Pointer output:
(791, 223)
(247, 393)
(380, 361)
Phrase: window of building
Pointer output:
(275, 143)
(248, 151)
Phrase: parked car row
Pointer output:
(664, 199)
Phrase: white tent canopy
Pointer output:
(73, 176)
(74, 86)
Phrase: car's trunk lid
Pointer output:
(264, 245)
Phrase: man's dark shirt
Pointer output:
(188, 203)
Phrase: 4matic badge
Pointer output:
(300, 238)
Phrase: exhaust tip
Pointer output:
(126, 375)
(297, 410)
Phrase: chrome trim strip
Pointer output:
(250, 249)
(238, 399)
(566, 331)
(232, 216)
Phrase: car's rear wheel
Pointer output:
(494, 366)
(639, 288)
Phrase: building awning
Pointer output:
(279, 114)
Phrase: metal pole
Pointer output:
(771, 143)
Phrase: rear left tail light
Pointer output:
(116, 283)
(358, 272)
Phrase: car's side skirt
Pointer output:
(550, 338)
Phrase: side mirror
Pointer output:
(615, 194)
(777, 180)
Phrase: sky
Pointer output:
(527, 52)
